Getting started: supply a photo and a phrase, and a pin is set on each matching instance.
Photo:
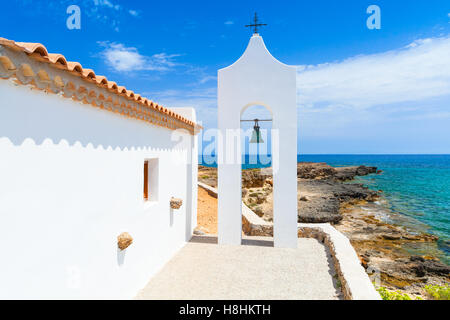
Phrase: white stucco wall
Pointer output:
(71, 180)
(192, 171)
(257, 78)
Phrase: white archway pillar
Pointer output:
(258, 78)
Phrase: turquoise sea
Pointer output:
(416, 188)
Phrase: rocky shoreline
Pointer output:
(388, 252)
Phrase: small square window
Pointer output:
(151, 180)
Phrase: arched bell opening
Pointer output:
(256, 155)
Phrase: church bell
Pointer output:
(256, 134)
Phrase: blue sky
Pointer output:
(359, 90)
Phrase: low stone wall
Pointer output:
(355, 282)
(253, 225)
(211, 190)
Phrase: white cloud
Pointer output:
(367, 97)
(416, 72)
(204, 100)
(392, 102)
(199, 93)
(106, 3)
(121, 58)
(207, 79)
(229, 23)
(134, 13)
(164, 60)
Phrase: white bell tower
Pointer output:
(257, 78)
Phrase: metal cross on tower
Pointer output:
(255, 24)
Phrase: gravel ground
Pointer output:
(203, 270)
(206, 212)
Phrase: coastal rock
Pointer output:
(349, 173)
(420, 267)
(381, 246)
(348, 192)
(258, 211)
(363, 170)
(320, 184)
(419, 270)
(417, 258)
(433, 267)
(256, 178)
(313, 216)
(260, 198)
(307, 170)
(207, 175)
(325, 198)
(391, 236)
(385, 247)
(253, 179)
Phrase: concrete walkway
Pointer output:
(203, 270)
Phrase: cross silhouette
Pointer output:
(256, 24)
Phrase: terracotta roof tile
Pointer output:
(33, 48)
(57, 58)
(74, 66)
(39, 50)
(101, 80)
(112, 85)
(121, 89)
(88, 73)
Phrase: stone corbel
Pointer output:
(175, 203)
(124, 240)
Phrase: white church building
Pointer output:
(98, 190)
(85, 163)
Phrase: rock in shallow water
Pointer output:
(349, 173)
